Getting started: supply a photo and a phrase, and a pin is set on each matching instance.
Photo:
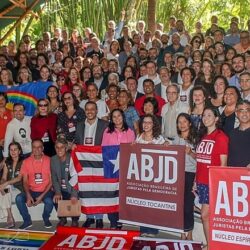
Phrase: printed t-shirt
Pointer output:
(208, 154)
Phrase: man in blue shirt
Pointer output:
(238, 63)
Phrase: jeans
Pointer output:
(95, 216)
(23, 210)
(113, 218)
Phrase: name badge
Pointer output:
(45, 137)
(38, 178)
(88, 141)
(63, 184)
(183, 98)
(71, 127)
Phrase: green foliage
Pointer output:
(96, 13)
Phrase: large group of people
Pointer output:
(133, 87)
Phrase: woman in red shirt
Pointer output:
(211, 151)
(43, 126)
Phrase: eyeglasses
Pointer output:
(42, 105)
(197, 41)
(244, 80)
(243, 110)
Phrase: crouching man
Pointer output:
(37, 185)
(60, 179)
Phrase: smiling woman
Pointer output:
(211, 151)
(11, 176)
(150, 134)
(117, 132)
(43, 126)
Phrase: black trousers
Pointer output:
(189, 202)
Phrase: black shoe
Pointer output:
(119, 226)
(62, 222)
(26, 225)
(99, 223)
(88, 222)
(74, 223)
(47, 224)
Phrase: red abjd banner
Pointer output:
(68, 238)
(229, 208)
(151, 185)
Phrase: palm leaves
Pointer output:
(96, 13)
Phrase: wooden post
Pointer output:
(18, 33)
(32, 5)
(151, 15)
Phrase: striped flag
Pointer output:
(97, 193)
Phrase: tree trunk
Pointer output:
(151, 15)
(131, 11)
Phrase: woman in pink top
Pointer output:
(117, 132)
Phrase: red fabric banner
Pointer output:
(68, 238)
(229, 208)
(165, 244)
(151, 186)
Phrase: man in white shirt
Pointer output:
(245, 85)
(171, 110)
(161, 88)
(18, 130)
(151, 74)
(89, 133)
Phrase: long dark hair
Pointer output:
(111, 126)
(57, 91)
(191, 102)
(48, 68)
(75, 101)
(154, 103)
(156, 125)
(9, 160)
(192, 135)
(203, 129)
(224, 80)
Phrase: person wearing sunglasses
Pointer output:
(196, 42)
(43, 126)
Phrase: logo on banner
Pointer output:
(146, 170)
(151, 179)
(230, 199)
(76, 238)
